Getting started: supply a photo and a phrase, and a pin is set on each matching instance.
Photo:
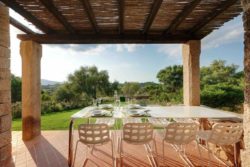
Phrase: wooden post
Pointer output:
(5, 88)
(191, 72)
(246, 121)
(31, 54)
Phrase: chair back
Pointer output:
(180, 133)
(226, 133)
(138, 133)
(93, 133)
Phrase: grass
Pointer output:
(52, 121)
(58, 121)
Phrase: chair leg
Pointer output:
(112, 149)
(235, 156)
(209, 154)
(163, 151)
(199, 150)
(75, 153)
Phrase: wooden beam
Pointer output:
(90, 14)
(102, 39)
(121, 16)
(155, 8)
(211, 16)
(27, 15)
(49, 5)
(20, 26)
(181, 17)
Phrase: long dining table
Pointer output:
(180, 111)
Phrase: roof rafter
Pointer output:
(102, 39)
(20, 26)
(181, 17)
(90, 14)
(155, 8)
(121, 16)
(217, 11)
(19, 9)
(49, 5)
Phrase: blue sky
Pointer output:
(132, 62)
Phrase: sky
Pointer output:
(132, 62)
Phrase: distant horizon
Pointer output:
(132, 62)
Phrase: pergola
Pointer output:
(111, 21)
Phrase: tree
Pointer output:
(90, 81)
(130, 88)
(171, 77)
(219, 72)
(16, 89)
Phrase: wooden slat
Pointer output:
(155, 8)
(90, 14)
(19, 9)
(20, 26)
(121, 16)
(181, 17)
(103, 39)
(211, 16)
(57, 14)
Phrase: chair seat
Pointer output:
(109, 121)
(158, 122)
(131, 120)
(205, 135)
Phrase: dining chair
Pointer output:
(131, 120)
(179, 135)
(222, 134)
(92, 135)
(139, 134)
(109, 121)
(158, 122)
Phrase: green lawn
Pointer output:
(56, 121)
(52, 121)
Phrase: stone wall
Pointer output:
(245, 155)
(5, 99)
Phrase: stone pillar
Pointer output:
(191, 72)
(5, 88)
(31, 53)
(245, 155)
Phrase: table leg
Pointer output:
(70, 153)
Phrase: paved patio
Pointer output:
(51, 150)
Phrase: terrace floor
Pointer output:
(51, 150)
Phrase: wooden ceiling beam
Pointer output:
(90, 14)
(181, 17)
(20, 26)
(102, 39)
(211, 16)
(27, 15)
(121, 16)
(49, 5)
(154, 10)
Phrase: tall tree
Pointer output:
(171, 77)
(91, 81)
(16, 88)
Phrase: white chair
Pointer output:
(222, 134)
(158, 122)
(131, 120)
(109, 121)
(94, 134)
(179, 135)
(139, 134)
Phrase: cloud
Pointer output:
(128, 47)
(171, 50)
(230, 33)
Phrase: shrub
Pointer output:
(222, 95)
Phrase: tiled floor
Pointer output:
(51, 150)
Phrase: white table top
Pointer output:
(166, 112)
